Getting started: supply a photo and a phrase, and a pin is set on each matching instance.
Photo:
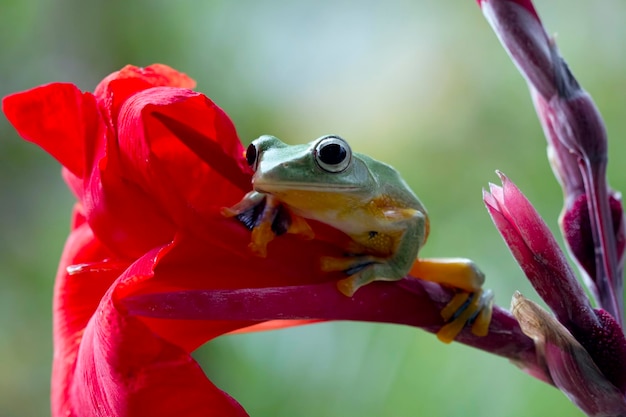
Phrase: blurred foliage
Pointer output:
(422, 85)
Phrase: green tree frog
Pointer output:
(364, 198)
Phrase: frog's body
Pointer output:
(387, 206)
(362, 197)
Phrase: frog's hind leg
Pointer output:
(472, 305)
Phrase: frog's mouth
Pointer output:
(286, 187)
(310, 200)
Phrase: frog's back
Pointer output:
(391, 185)
(391, 217)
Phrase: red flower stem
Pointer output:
(409, 302)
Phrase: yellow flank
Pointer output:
(377, 243)
(385, 201)
(312, 202)
(366, 222)
(343, 205)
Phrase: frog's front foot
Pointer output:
(267, 218)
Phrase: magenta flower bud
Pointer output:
(538, 254)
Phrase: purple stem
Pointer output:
(610, 287)
(409, 302)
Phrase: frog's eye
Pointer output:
(333, 154)
(252, 156)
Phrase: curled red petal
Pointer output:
(76, 297)
(109, 363)
(210, 151)
(117, 87)
(123, 216)
(59, 118)
(150, 181)
(174, 164)
(123, 368)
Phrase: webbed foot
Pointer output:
(471, 306)
(362, 269)
(472, 309)
(267, 218)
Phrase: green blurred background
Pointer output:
(423, 85)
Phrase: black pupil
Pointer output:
(251, 155)
(332, 154)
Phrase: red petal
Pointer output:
(124, 369)
(149, 183)
(153, 75)
(125, 218)
(113, 91)
(231, 167)
(57, 117)
(107, 362)
(76, 297)
(169, 166)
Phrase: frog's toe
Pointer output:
(298, 226)
(347, 286)
(262, 234)
(467, 308)
(480, 322)
(357, 267)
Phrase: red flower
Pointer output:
(151, 269)
(146, 201)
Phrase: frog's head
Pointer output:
(326, 165)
